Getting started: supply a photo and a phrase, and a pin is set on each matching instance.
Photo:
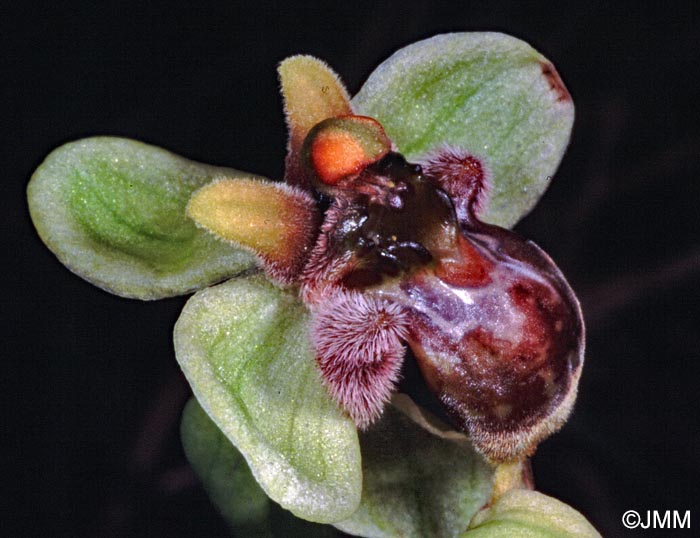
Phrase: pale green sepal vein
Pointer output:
(244, 347)
(113, 211)
(416, 483)
(486, 93)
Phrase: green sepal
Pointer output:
(488, 94)
(244, 347)
(113, 211)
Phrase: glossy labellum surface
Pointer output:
(495, 328)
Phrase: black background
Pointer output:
(92, 390)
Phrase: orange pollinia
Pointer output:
(340, 148)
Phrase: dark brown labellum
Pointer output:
(495, 328)
(503, 351)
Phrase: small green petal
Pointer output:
(487, 93)
(113, 211)
(530, 514)
(312, 92)
(244, 348)
(222, 469)
(275, 221)
(416, 483)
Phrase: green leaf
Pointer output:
(244, 348)
(417, 482)
(222, 469)
(113, 211)
(530, 514)
(487, 93)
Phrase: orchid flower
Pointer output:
(387, 242)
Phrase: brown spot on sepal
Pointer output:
(555, 82)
